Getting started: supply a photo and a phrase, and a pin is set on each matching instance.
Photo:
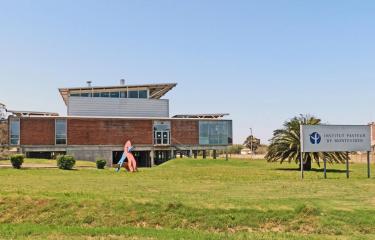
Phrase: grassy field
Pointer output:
(187, 199)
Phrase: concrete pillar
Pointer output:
(181, 155)
(172, 154)
(204, 154)
(152, 156)
(215, 154)
(191, 153)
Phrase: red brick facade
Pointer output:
(85, 131)
(185, 132)
(109, 131)
(37, 131)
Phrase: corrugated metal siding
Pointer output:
(118, 107)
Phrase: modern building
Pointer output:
(101, 119)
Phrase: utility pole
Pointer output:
(251, 142)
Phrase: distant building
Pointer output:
(101, 119)
(245, 151)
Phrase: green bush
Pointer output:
(65, 162)
(17, 160)
(100, 164)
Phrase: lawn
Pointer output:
(188, 199)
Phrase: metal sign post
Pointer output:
(368, 164)
(347, 165)
(325, 168)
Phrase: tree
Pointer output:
(285, 145)
(252, 143)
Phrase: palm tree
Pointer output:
(285, 145)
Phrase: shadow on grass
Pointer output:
(312, 170)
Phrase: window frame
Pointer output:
(66, 133)
(11, 120)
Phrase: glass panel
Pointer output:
(133, 94)
(115, 94)
(75, 94)
(60, 141)
(14, 132)
(104, 94)
(96, 94)
(215, 132)
(60, 128)
(85, 94)
(143, 94)
(123, 94)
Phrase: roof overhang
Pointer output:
(202, 116)
(156, 90)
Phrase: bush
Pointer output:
(17, 160)
(100, 164)
(65, 162)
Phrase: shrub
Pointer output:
(100, 164)
(17, 160)
(65, 162)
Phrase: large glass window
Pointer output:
(104, 94)
(115, 94)
(133, 94)
(14, 131)
(60, 126)
(142, 93)
(123, 94)
(215, 132)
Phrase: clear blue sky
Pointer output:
(261, 61)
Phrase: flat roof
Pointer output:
(125, 118)
(202, 116)
(156, 90)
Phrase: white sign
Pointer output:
(335, 138)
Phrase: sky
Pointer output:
(263, 61)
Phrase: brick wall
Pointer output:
(37, 131)
(109, 131)
(4, 137)
(185, 132)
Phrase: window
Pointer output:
(143, 94)
(123, 94)
(75, 94)
(14, 131)
(162, 133)
(85, 94)
(133, 94)
(104, 94)
(115, 94)
(96, 94)
(215, 132)
(60, 126)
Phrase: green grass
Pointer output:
(187, 199)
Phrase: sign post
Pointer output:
(336, 138)
(347, 165)
(368, 164)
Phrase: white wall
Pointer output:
(118, 107)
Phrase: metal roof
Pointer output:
(156, 90)
(33, 113)
(204, 116)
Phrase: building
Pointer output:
(101, 119)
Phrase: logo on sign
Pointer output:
(315, 138)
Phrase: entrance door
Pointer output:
(162, 137)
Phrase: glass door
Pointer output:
(162, 137)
